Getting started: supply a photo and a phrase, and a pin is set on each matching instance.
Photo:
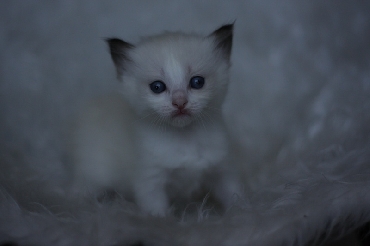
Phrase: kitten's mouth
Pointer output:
(180, 113)
(181, 117)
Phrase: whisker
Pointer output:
(200, 118)
(147, 115)
(164, 124)
(208, 116)
(159, 123)
(218, 110)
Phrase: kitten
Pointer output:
(163, 137)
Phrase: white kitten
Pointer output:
(163, 137)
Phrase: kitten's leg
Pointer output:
(150, 194)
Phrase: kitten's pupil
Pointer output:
(158, 86)
(197, 82)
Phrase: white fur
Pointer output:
(132, 143)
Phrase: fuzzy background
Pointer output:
(298, 108)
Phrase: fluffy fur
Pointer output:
(160, 147)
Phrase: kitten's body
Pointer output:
(164, 137)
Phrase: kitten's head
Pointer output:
(175, 78)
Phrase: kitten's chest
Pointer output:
(200, 148)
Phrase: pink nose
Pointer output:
(179, 103)
(179, 99)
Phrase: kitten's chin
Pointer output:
(181, 120)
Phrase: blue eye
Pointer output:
(158, 87)
(196, 82)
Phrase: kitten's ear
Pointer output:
(118, 51)
(223, 37)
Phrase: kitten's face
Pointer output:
(176, 79)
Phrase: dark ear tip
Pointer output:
(118, 50)
(223, 37)
(225, 30)
(109, 40)
(228, 27)
(116, 42)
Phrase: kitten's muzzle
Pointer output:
(181, 112)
